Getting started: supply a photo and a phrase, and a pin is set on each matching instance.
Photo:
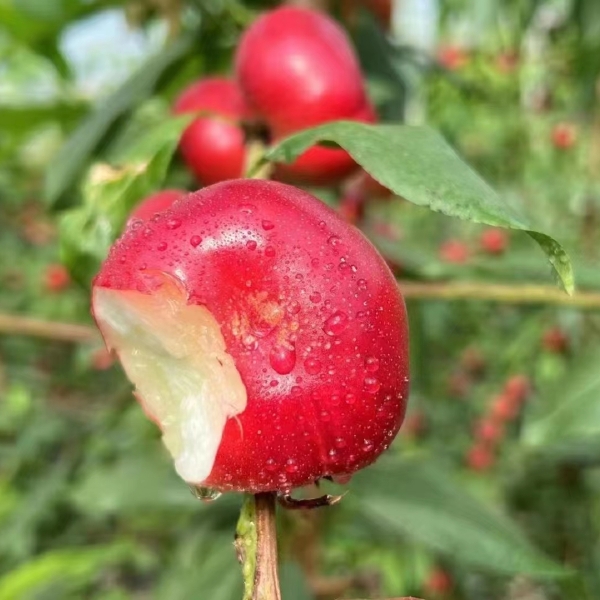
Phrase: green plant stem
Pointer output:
(256, 545)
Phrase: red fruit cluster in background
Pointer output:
(555, 340)
(295, 68)
(213, 144)
(452, 57)
(564, 136)
(490, 429)
(56, 278)
(454, 251)
(439, 582)
(493, 241)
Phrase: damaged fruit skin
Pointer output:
(212, 146)
(310, 314)
(297, 69)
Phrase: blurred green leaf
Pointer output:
(73, 569)
(110, 192)
(413, 497)
(204, 564)
(133, 484)
(77, 151)
(293, 583)
(571, 428)
(417, 164)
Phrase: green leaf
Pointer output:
(413, 497)
(110, 192)
(417, 164)
(203, 565)
(293, 583)
(72, 569)
(76, 152)
(571, 428)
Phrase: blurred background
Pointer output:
(491, 490)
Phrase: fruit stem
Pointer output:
(256, 545)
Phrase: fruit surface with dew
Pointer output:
(264, 335)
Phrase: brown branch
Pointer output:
(412, 290)
(266, 579)
(507, 294)
(65, 332)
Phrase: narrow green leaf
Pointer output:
(72, 568)
(417, 164)
(413, 497)
(76, 153)
(571, 428)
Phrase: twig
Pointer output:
(65, 332)
(507, 294)
(412, 290)
(256, 545)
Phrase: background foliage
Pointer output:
(89, 504)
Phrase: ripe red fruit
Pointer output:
(564, 136)
(270, 355)
(452, 57)
(438, 582)
(488, 431)
(56, 278)
(517, 388)
(454, 251)
(297, 69)
(155, 204)
(505, 408)
(494, 241)
(555, 340)
(213, 145)
(480, 458)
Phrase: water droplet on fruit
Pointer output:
(247, 208)
(291, 466)
(173, 223)
(266, 225)
(195, 240)
(340, 442)
(361, 284)
(312, 366)
(161, 246)
(336, 323)
(325, 416)
(315, 297)
(282, 359)
(205, 494)
(367, 446)
(372, 364)
(270, 465)
(250, 342)
(270, 251)
(334, 241)
(294, 307)
(371, 385)
(251, 245)
(350, 398)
